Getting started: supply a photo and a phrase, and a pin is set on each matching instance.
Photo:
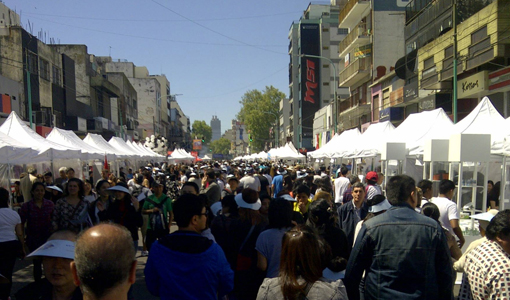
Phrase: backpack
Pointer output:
(137, 190)
(159, 222)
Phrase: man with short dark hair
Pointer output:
(404, 254)
(104, 264)
(448, 213)
(351, 213)
(210, 188)
(189, 187)
(341, 185)
(487, 272)
(184, 253)
(277, 183)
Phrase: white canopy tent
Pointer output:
(18, 130)
(70, 139)
(206, 158)
(121, 146)
(369, 143)
(14, 152)
(336, 144)
(288, 152)
(179, 155)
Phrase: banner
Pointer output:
(197, 144)
(310, 77)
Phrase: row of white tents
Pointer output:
(287, 152)
(416, 129)
(21, 145)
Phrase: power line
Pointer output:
(156, 39)
(214, 31)
(162, 20)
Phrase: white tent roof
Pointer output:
(286, 152)
(484, 119)
(15, 152)
(119, 144)
(337, 144)
(70, 139)
(149, 151)
(369, 143)
(99, 142)
(418, 127)
(206, 157)
(181, 154)
(17, 129)
(137, 150)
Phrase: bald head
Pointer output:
(104, 258)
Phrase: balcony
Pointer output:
(352, 13)
(358, 36)
(355, 72)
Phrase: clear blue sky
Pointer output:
(212, 51)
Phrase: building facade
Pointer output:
(216, 128)
(313, 68)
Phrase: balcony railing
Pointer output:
(359, 65)
(359, 31)
(348, 7)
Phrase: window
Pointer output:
(32, 63)
(343, 30)
(325, 48)
(325, 29)
(44, 70)
(428, 63)
(448, 51)
(429, 68)
(325, 83)
(55, 75)
(325, 66)
(479, 35)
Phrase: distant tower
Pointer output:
(216, 128)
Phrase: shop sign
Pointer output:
(472, 85)
(411, 91)
(429, 103)
(391, 114)
(363, 51)
(499, 79)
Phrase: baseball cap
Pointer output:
(215, 208)
(372, 176)
(55, 248)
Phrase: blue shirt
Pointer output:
(183, 272)
(269, 244)
(278, 184)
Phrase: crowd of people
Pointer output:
(247, 231)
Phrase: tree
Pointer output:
(221, 146)
(201, 129)
(260, 111)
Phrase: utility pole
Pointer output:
(29, 95)
(454, 94)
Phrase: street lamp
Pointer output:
(277, 116)
(336, 85)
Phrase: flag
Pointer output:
(105, 165)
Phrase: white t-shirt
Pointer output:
(250, 182)
(341, 185)
(8, 221)
(373, 190)
(447, 211)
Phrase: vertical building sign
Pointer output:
(310, 78)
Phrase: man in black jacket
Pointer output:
(349, 214)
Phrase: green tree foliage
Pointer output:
(201, 129)
(221, 146)
(259, 111)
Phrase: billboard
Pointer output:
(197, 144)
(310, 77)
